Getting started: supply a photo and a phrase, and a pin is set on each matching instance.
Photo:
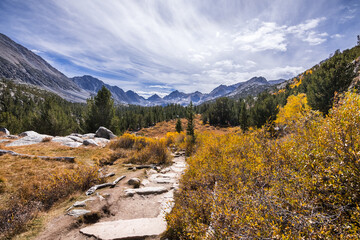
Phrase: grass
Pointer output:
(162, 128)
(30, 185)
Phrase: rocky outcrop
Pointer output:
(74, 140)
(103, 132)
(28, 138)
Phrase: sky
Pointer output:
(158, 46)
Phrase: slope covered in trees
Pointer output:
(319, 83)
(25, 108)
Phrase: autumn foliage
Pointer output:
(302, 185)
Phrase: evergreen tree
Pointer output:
(335, 75)
(190, 119)
(178, 126)
(243, 116)
(101, 111)
(53, 119)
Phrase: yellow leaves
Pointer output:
(291, 187)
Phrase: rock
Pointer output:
(12, 136)
(139, 228)
(88, 136)
(4, 140)
(78, 212)
(5, 131)
(28, 134)
(68, 141)
(151, 171)
(72, 144)
(102, 141)
(76, 138)
(29, 137)
(145, 182)
(90, 142)
(165, 170)
(76, 135)
(103, 132)
(145, 191)
(134, 182)
(62, 139)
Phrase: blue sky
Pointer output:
(158, 46)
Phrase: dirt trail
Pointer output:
(125, 212)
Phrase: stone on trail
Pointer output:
(127, 229)
(78, 212)
(145, 191)
(134, 182)
(103, 132)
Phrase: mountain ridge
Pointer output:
(22, 65)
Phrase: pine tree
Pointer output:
(243, 116)
(178, 126)
(335, 75)
(101, 111)
(190, 118)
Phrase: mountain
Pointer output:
(252, 87)
(93, 85)
(24, 66)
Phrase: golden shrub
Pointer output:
(304, 185)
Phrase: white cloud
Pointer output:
(305, 32)
(158, 46)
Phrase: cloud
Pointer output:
(157, 46)
(304, 31)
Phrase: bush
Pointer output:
(125, 141)
(304, 185)
(155, 152)
(40, 193)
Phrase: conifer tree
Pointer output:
(190, 118)
(101, 111)
(178, 126)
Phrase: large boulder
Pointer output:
(29, 137)
(103, 132)
(5, 131)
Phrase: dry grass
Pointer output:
(29, 185)
(162, 128)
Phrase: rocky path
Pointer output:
(133, 213)
(159, 189)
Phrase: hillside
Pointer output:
(295, 177)
(21, 64)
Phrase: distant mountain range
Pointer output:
(24, 66)
(251, 87)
